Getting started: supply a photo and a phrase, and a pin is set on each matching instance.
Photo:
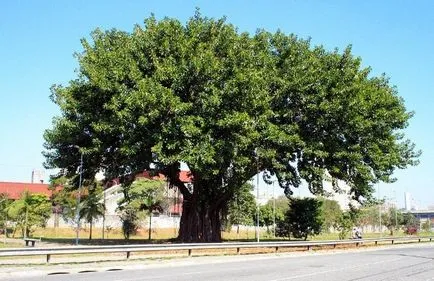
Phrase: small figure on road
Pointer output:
(357, 233)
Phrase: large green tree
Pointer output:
(228, 104)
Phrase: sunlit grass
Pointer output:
(164, 235)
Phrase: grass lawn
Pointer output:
(66, 236)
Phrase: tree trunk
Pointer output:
(90, 229)
(150, 225)
(199, 224)
(26, 232)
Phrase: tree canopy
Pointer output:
(304, 217)
(331, 213)
(29, 211)
(144, 195)
(228, 104)
(241, 208)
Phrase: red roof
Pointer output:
(184, 176)
(15, 189)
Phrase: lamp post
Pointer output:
(257, 196)
(274, 213)
(379, 208)
(396, 209)
(103, 217)
(257, 207)
(77, 211)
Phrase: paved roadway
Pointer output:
(395, 263)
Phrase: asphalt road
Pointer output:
(396, 263)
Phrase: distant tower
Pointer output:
(407, 198)
(37, 176)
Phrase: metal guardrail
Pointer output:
(128, 249)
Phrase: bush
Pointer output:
(410, 230)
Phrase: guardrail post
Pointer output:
(419, 239)
(189, 252)
(238, 250)
(357, 244)
(376, 242)
(430, 239)
(309, 248)
(393, 241)
(48, 258)
(128, 254)
(277, 249)
(334, 246)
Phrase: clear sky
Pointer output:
(38, 39)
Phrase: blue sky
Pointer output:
(38, 39)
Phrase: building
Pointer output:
(113, 194)
(15, 189)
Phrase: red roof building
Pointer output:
(184, 176)
(15, 189)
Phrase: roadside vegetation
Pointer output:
(281, 218)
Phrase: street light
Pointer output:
(257, 196)
(77, 211)
(274, 213)
(257, 207)
(396, 209)
(379, 207)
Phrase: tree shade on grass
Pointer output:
(229, 105)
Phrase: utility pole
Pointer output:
(396, 210)
(274, 213)
(103, 217)
(257, 197)
(379, 207)
(77, 211)
(257, 207)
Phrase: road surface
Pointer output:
(395, 263)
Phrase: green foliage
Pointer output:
(4, 205)
(92, 206)
(227, 104)
(426, 226)
(266, 215)
(142, 197)
(241, 207)
(330, 212)
(148, 195)
(29, 212)
(281, 203)
(344, 225)
(273, 211)
(65, 204)
(409, 222)
(130, 221)
(392, 219)
(304, 217)
(283, 229)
